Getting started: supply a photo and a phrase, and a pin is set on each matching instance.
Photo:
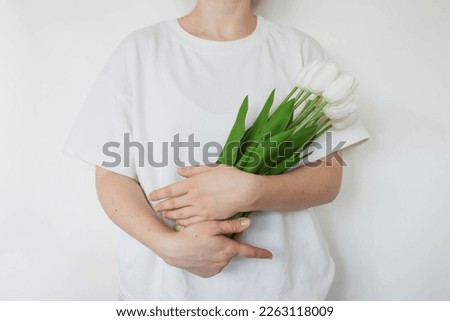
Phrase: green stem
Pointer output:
(314, 119)
(299, 100)
(318, 113)
(290, 95)
(323, 129)
(304, 113)
(299, 94)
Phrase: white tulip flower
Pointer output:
(340, 89)
(343, 114)
(306, 73)
(323, 77)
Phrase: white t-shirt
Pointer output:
(162, 81)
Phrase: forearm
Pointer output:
(124, 201)
(216, 193)
(200, 249)
(305, 187)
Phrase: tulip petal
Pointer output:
(306, 74)
(324, 77)
(342, 115)
(340, 89)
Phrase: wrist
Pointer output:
(159, 242)
(258, 186)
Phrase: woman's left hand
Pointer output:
(208, 193)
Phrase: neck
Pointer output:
(221, 20)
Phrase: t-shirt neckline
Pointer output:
(217, 46)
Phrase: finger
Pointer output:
(194, 170)
(191, 220)
(180, 214)
(251, 252)
(171, 190)
(232, 226)
(174, 203)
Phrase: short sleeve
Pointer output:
(333, 140)
(311, 50)
(105, 118)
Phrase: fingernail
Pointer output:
(244, 222)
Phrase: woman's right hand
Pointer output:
(202, 249)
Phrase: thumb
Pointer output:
(232, 226)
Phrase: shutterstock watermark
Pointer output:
(133, 153)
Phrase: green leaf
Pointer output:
(297, 142)
(242, 162)
(264, 154)
(283, 166)
(250, 136)
(290, 149)
(230, 150)
(280, 118)
(275, 148)
(254, 157)
(261, 120)
(302, 136)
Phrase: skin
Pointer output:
(219, 192)
(198, 201)
(220, 20)
(200, 248)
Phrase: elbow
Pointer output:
(334, 185)
(332, 194)
(332, 170)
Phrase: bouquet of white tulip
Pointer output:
(278, 141)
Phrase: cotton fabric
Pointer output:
(162, 81)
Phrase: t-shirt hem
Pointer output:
(320, 295)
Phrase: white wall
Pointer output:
(388, 228)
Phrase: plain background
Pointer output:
(388, 230)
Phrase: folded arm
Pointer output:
(219, 192)
(307, 186)
(200, 249)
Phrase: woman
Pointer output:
(176, 84)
